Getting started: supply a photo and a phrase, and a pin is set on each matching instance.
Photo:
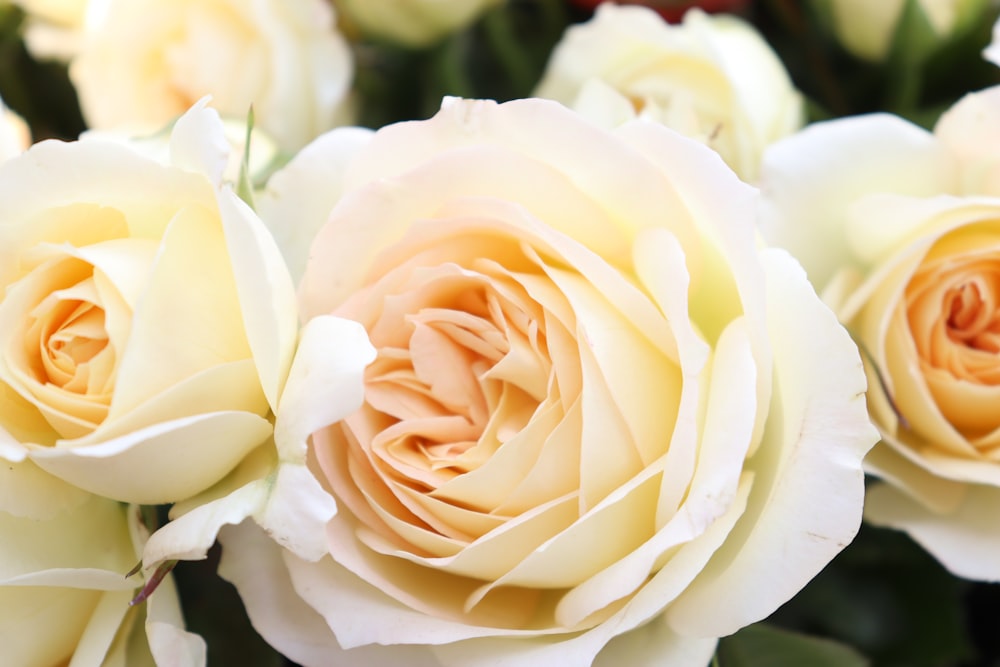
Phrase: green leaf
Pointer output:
(762, 645)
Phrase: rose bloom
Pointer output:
(602, 422)
(867, 29)
(147, 321)
(892, 221)
(52, 28)
(712, 78)
(144, 62)
(14, 134)
(414, 23)
(63, 597)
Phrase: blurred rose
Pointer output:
(711, 78)
(63, 597)
(572, 445)
(673, 10)
(889, 218)
(413, 23)
(53, 27)
(147, 321)
(144, 62)
(63, 12)
(867, 29)
(14, 134)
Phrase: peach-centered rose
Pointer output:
(146, 320)
(900, 230)
(600, 420)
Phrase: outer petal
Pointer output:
(971, 131)
(809, 180)
(265, 290)
(28, 491)
(154, 465)
(254, 564)
(965, 541)
(654, 645)
(808, 491)
(298, 199)
(324, 386)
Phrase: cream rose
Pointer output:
(601, 422)
(867, 29)
(890, 220)
(14, 135)
(144, 62)
(147, 321)
(63, 597)
(712, 78)
(53, 28)
(412, 22)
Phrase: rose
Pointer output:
(14, 135)
(597, 411)
(63, 12)
(868, 29)
(147, 320)
(414, 23)
(711, 78)
(890, 220)
(52, 27)
(63, 598)
(144, 62)
(673, 10)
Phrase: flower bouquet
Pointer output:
(499, 332)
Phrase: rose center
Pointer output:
(972, 316)
(65, 336)
(458, 373)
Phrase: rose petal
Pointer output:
(809, 179)
(298, 199)
(965, 541)
(153, 465)
(808, 491)
(265, 290)
(281, 616)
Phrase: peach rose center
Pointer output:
(953, 311)
(62, 358)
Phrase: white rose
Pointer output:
(892, 222)
(147, 321)
(144, 62)
(64, 598)
(412, 22)
(601, 422)
(711, 78)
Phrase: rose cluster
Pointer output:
(543, 381)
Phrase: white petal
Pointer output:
(298, 199)
(809, 180)
(253, 563)
(965, 541)
(808, 491)
(325, 384)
